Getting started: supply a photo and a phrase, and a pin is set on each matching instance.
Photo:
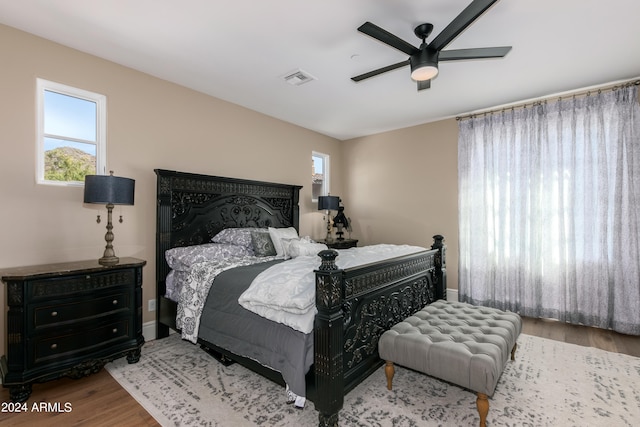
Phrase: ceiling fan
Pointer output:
(424, 60)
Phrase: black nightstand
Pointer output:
(341, 244)
(69, 319)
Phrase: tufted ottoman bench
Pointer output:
(457, 342)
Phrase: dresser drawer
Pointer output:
(78, 284)
(55, 314)
(50, 348)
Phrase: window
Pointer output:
(71, 134)
(548, 204)
(319, 175)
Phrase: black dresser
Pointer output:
(69, 319)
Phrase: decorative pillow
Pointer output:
(277, 234)
(305, 248)
(236, 236)
(262, 244)
(182, 258)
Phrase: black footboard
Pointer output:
(355, 306)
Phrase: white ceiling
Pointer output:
(240, 50)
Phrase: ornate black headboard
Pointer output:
(193, 208)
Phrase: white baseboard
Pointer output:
(452, 295)
(149, 330)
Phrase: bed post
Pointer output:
(328, 340)
(163, 234)
(441, 267)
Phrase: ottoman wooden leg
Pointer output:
(482, 402)
(513, 351)
(389, 371)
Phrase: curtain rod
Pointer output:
(536, 101)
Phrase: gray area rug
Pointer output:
(550, 384)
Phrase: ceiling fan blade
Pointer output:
(379, 71)
(475, 53)
(460, 23)
(386, 37)
(425, 84)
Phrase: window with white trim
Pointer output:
(319, 175)
(71, 134)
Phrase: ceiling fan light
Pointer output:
(426, 72)
(424, 65)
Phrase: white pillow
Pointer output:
(286, 245)
(304, 248)
(278, 234)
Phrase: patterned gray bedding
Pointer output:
(206, 281)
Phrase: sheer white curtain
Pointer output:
(549, 210)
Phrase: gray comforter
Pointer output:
(228, 325)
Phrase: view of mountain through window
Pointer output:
(70, 140)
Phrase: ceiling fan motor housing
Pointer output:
(424, 64)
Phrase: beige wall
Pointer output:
(402, 187)
(151, 124)
(398, 187)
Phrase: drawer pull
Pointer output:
(115, 302)
(115, 330)
(54, 346)
(54, 313)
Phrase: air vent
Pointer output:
(298, 78)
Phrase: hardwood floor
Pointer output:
(98, 400)
(582, 335)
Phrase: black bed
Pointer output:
(355, 306)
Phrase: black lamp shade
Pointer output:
(107, 189)
(329, 203)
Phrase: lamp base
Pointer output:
(109, 256)
(328, 239)
(109, 260)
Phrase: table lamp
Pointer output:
(110, 190)
(328, 203)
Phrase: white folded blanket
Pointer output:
(285, 292)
